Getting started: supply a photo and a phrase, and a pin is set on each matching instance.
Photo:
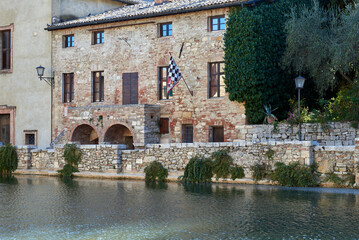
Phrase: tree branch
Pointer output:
(345, 76)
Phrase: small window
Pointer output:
(187, 133)
(98, 37)
(218, 23)
(165, 29)
(69, 41)
(164, 125)
(68, 87)
(162, 81)
(30, 137)
(98, 86)
(216, 80)
(216, 134)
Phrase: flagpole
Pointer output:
(191, 92)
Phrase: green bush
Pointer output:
(67, 170)
(259, 172)
(198, 170)
(154, 171)
(72, 155)
(295, 175)
(338, 181)
(237, 172)
(8, 160)
(345, 107)
(222, 164)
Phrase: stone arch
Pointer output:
(119, 134)
(85, 134)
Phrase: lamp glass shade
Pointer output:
(299, 82)
(40, 71)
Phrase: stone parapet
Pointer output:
(333, 134)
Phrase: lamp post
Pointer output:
(51, 81)
(299, 84)
(40, 73)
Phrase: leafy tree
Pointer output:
(254, 44)
(323, 43)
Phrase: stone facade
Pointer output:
(335, 134)
(134, 47)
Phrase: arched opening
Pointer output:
(85, 134)
(119, 134)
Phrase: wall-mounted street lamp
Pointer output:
(299, 84)
(40, 73)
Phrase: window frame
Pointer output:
(162, 81)
(10, 29)
(65, 99)
(101, 83)
(187, 138)
(95, 37)
(217, 75)
(66, 41)
(212, 133)
(168, 30)
(219, 24)
(28, 132)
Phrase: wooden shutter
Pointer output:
(134, 88)
(164, 125)
(130, 88)
(126, 88)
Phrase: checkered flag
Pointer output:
(174, 75)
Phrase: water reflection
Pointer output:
(156, 185)
(9, 180)
(50, 208)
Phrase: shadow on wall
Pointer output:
(85, 134)
(119, 134)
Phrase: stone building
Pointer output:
(111, 72)
(25, 102)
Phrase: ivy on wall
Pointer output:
(254, 43)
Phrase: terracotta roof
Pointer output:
(148, 9)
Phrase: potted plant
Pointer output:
(269, 116)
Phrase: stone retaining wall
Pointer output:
(342, 160)
(174, 157)
(339, 160)
(334, 134)
(94, 158)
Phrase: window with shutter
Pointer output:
(164, 125)
(130, 88)
(6, 48)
